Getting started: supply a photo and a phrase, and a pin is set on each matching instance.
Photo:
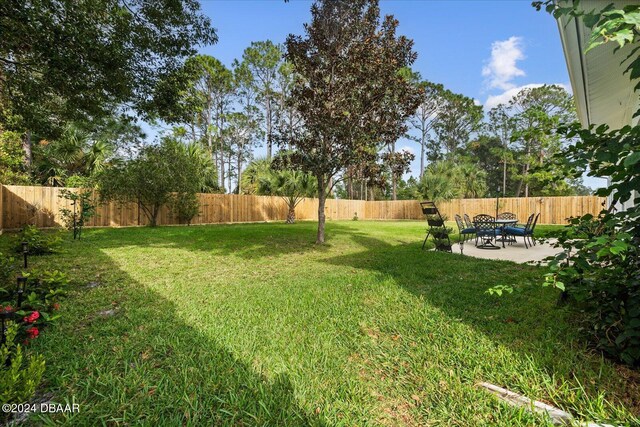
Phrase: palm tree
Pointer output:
(440, 181)
(472, 180)
(75, 153)
(252, 173)
(291, 185)
(204, 164)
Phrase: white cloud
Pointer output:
(502, 67)
(407, 148)
(503, 98)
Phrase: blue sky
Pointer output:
(482, 49)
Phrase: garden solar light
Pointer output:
(22, 287)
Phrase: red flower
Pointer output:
(56, 306)
(32, 317)
(33, 332)
(7, 309)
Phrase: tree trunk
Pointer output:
(526, 183)
(322, 196)
(153, 218)
(268, 118)
(193, 132)
(521, 182)
(222, 172)
(394, 178)
(504, 176)
(26, 147)
(350, 185)
(291, 216)
(393, 187)
(229, 171)
(422, 153)
(239, 172)
(525, 175)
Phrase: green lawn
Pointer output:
(256, 325)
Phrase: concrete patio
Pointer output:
(515, 252)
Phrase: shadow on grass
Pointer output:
(145, 365)
(160, 357)
(252, 240)
(527, 322)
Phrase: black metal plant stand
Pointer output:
(436, 228)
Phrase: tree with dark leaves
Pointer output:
(354, 90)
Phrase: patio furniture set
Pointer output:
(488, 230)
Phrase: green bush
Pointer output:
(39, 242)
(185, 206)
(600, 266)
(601, 275)
(21, 375)
(44, 290)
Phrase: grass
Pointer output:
(256, 325)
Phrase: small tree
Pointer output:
(82, 209)
(153, 179)
(185, 206)
(292, 185)
(354, 89)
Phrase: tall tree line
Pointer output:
(506, 152)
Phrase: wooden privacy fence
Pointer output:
(41, 206)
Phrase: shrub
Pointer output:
(151, 178)
(44, 289)
(83, 208)
(185, 206)
(20, 375)
(600, 267)
(600, 271)
(39, 242)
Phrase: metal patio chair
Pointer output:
(486, 231)
(525, 232)
(466, 232)
(509, 216)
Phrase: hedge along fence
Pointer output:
(20, 205)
